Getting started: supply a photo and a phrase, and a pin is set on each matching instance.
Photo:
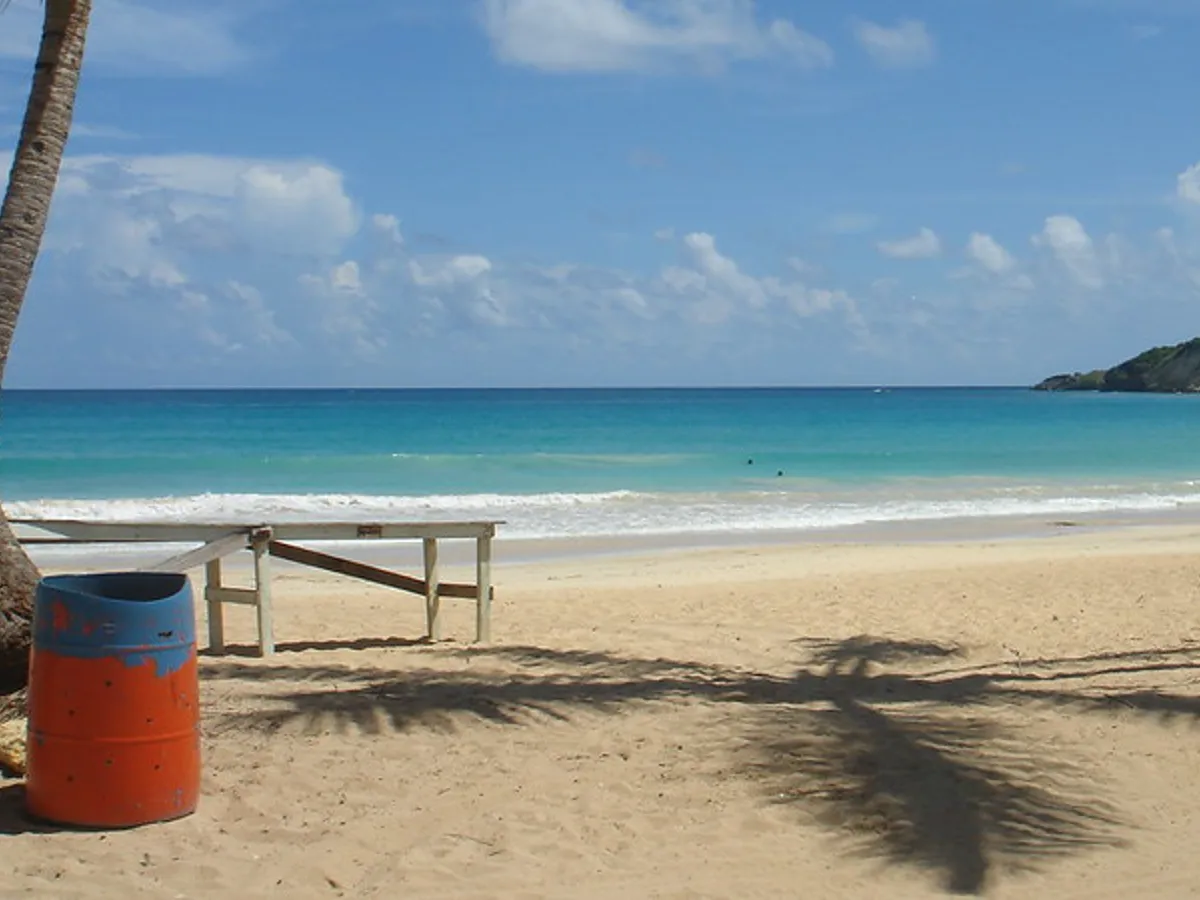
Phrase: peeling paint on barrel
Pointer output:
(113, 700)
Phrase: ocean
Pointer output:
(597, 463)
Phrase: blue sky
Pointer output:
(615, 192)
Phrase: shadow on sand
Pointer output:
(251, 650)
(908, 763)
(13, 818)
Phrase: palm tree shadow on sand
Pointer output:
(910, 764)
(924, 781)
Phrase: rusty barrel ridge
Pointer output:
(114, 736)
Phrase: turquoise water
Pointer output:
(577, 462)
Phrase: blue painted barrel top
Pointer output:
(134, 615)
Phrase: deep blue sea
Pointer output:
(596, 462)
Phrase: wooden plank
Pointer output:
(64, 541)
(330, 563)
(341, 531)
(306, 556)
(188, 532)
(483, 582)
(433, 602)
(262, 585)
(240, 596)
(216, 613)
(223, 546)
(457, 590)
(122, 532)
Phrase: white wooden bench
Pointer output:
(264, 541)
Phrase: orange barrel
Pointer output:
(114, 717)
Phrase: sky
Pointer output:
(282, 193)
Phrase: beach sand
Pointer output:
(823, 720)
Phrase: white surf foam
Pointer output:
(620, 513)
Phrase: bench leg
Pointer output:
(216, 612)
(483, 587)
(433, 602)
(262, 589)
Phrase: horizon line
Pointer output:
(598, 387)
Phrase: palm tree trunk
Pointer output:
(22, 223)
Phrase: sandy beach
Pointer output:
(822, 720)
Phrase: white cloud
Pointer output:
(722, 273)
(258, 314)
(576, 300)
(175, 246)
(682, 280)
(627, 35)
(804, 49)
(1181, 256)
(1188, 184)
(345, 314)
(632, 299)
(455, 270)
(1071, 245)
(119, 246)
(388, 226)
(925, 244)
(345, 277)
(460, 286)
(188, 173)
(143, 36)
(807, 301)
(302, 209)
(719, 291)
(289, 207)
(989, 253)
(906, 45)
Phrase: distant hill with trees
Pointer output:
(1163, 370)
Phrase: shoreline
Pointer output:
(519, 551)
